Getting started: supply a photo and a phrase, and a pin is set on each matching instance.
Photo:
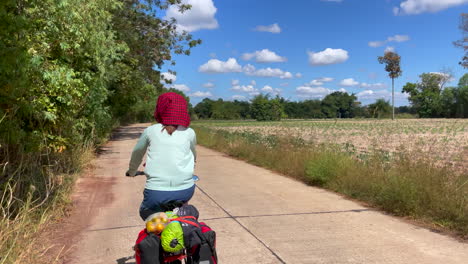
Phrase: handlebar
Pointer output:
(194, 177)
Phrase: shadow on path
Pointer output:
(125, 259)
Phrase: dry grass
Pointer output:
(32, 197)
(399, 183)
(443, 141)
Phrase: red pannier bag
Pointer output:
(148, 248)
(205, 252)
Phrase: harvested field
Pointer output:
(444, 141)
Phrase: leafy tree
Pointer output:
(463, 80)
(339, 105)
(151, 41)
(405, 110)
(425, 96)
(265, 109)
(392, 66)
(243, 108)
(69, 70)
(204, 109)
(463, 43)
(380, 108)
(462, 97)
(225, 110)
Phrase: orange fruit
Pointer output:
(159, 228)
(151, 227)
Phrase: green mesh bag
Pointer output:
(172, 237)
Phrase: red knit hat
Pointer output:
(171, 109)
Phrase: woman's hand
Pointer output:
(136, 174)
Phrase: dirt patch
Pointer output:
(60, 237)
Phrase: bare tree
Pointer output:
(392, 66)
(463, 43)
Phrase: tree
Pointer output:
(265, 109)
(204, 109)
(425, 96)
(380, 108)
(462, 98)
(150, 41)
(339, 104)
(463, 43)
(392, 66)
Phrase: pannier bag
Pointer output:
(148, 248)
(198, 240)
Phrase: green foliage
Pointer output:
(304, 109)
(69, 71)
(326, 167)
(380, 109)
(339, 105)
(264, 108)
(430, 99)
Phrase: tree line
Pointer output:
(70, 71)
(428, 98)
(71, 68)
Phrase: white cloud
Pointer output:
(266, 72)
(325, 79)
(286, 75)
(316, 83)
(269, 89)
(274, 28)
(167, 76)
(200, 16)
(201, 94)
(217, 66)
(389, 49)
(298, 75)
(313, 92)
(414, 7)
(349, 82)
(328, 56)
(396, 38)
(374, 95)
(181, 87)
(238, 97)
(234, 82)
(212, 55)
(253, 82)
(209, 85)
(373, 85)
(244, 88)
(284, 84)
(376, 44)
(264, 56)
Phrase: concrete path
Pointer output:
(259, 217)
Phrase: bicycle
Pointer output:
(166, 257)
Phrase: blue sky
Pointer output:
(309, 48)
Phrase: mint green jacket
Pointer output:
(170, 160)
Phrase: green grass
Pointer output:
(396, 184)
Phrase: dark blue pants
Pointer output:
(159, 201)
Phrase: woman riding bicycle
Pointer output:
(171, 156)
